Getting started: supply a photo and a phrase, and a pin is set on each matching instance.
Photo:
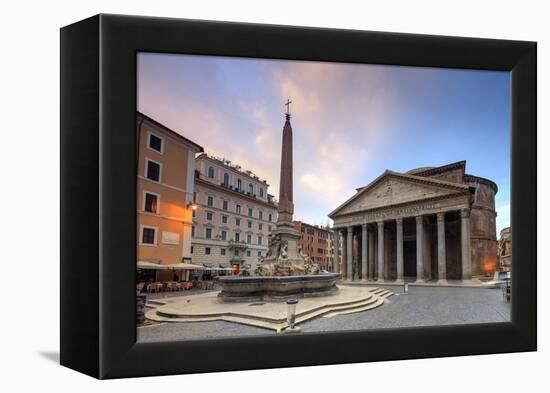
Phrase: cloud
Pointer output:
(346, 118)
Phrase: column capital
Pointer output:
(419, 219)
(399, 220)
(380, 224)
(364, 226)
(440, 217)
(464, 213)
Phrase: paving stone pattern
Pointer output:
(422, 306)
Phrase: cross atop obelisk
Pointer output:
(287, 104)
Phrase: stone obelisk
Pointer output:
(286, 204)
(284, 243)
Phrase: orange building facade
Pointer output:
(166, 162)
(316, 242)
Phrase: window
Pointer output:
(207, 250)
(249, 224)
(193, 231)
(238, 222)
(249, 212)
(195, 196)
(259, 240)
(237, 237)
(226, 180)
(236, 253)
(224, 219)
(151, 203)
(210, 201)
(224, 205)
(247, 253)
(250, 188)
(222, 251)
(269, 229)
(261, 192)
(194, 213)
(249, 239)
(238, 209)
(192, 249)
(239, 185)
(270, 217)
(209, 216)
(259, 253)
(152, 171)
(148, 235)
(211, 172)
(261, 215)
(209, 233)
(224, 235)
(260, 226)
(155, 143)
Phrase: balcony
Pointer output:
(237, 245)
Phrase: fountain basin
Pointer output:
(274, 288)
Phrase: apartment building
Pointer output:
(166, 162)
(235, 214)
(317, 243)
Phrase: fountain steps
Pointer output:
(170, 314)
(373, 299)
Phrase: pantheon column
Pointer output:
(364, 262)
(465, 243)
(419, 249)
(441, 254)
(399, 236)
(380, 251)
(336, 247)
(344, 261)
(349, 272)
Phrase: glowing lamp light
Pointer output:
(192, 206)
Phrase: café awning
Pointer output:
(150, 265)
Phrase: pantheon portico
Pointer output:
(429, 224)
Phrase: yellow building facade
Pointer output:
(165, 186)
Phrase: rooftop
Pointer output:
(228, 164)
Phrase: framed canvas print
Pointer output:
(296, 196)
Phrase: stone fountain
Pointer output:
(284, 272)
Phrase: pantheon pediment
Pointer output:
(393, 188)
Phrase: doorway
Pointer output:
(409, 258)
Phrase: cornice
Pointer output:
(481, 180)
(235, 193)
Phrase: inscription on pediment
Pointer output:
(390, 213)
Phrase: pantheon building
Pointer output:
(428, 224)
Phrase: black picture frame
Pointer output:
(98, 183)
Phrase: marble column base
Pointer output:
(442, 282)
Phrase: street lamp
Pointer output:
(192, 206)
(291, 316)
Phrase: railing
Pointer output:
(233, 244)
